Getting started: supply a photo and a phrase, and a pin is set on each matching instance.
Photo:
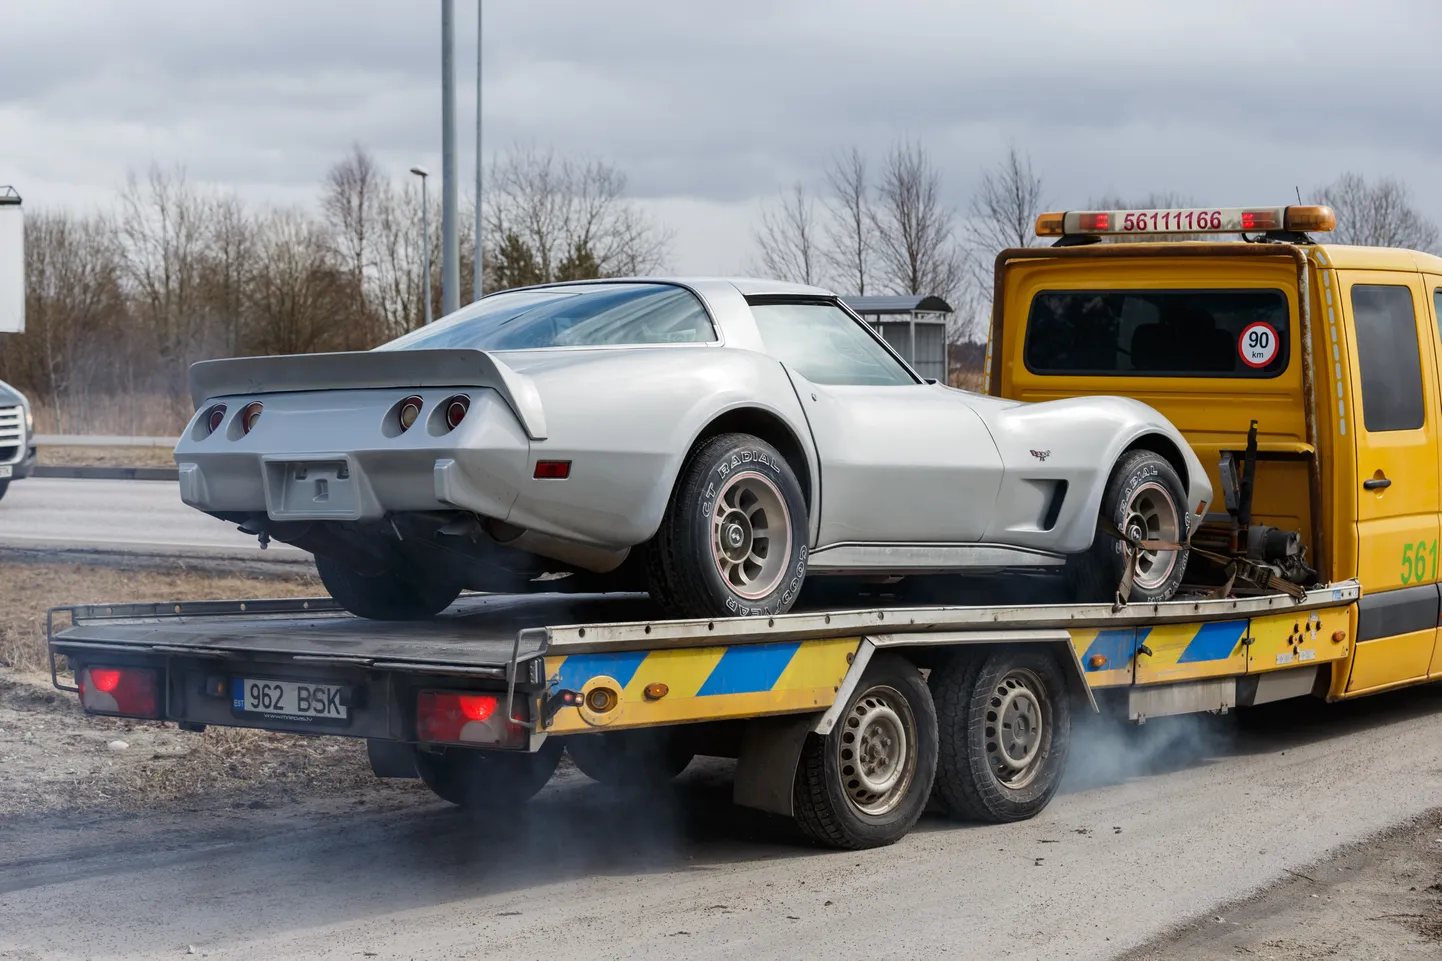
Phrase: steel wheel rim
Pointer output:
(876, 751)
(751, 534)
(1018, 726)
(1151, 515)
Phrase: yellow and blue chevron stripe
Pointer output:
(705, 683)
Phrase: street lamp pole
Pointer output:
(423, 173)
(450, 256)
(480, 18)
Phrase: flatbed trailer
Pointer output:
(843, 719)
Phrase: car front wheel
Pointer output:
(1144, 499)
(733, 541)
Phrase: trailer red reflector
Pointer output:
(553, 469)
(121, 691)
(454, 718)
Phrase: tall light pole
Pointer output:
(450, 256)
(423, 173)
(480, 23)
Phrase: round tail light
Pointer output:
(215, 418)
(410, 410)
(250, 415)
(456, 409)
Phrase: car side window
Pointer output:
(1388, 358)
(826, 345)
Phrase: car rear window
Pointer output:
(599, 315)
(1158, 333)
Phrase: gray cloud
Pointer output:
(723, 103)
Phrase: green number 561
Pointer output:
(1415, 559)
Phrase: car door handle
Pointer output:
(1376, 483)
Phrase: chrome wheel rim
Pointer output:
(1018, 721)
(1152, 515)
(876, 751)
(751, 534)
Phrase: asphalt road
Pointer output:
(141, 517)
(1154, 829)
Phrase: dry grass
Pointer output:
(31, 589)
(971, 380)
(130, 415)
(106, 456)
(54, 758)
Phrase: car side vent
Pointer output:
(1053, 510)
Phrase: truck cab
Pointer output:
(1329, 355)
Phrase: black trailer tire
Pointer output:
(1145, 498)
(483, 780)
(1005, 729)
(733, 539)
(888, 725)
(642, 758)
(384, 597)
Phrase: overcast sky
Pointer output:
(709, 108)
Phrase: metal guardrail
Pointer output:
(101, 440)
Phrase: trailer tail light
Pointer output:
(249, 416)
(553, 469)
(456, 408)
(444, 717)
(122, 691)
(410, 409)
(214, 418)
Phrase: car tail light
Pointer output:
(445, 717)
(553, 469)
(410, 411)
(214, 418)
(250, 415)
(456, 408)
(123, 691)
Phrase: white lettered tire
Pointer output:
(733, 541)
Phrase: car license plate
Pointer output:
(289, 698)
(6, 470)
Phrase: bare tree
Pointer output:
(348, 201)
(1379, 214)
(1005, 206)
(293, 296)
(850, 241)
(559, 206)
(915, 241)
(788, 238)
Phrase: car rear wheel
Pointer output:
(1145, 499)
(485, 780)
(733, 541)
(384, 597)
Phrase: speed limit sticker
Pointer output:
(1258, 344)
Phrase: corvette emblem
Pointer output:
(1041, 454)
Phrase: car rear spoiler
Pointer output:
(359, 369)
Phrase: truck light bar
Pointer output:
(1187, 220)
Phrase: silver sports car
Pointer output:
(715, 442)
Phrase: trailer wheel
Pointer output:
(384, 597)
(1145, 499)
(480, 780)
(1005, 724)
(733, 539)
(864, 784)
(630, 758)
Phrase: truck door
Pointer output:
(1394, 387)
(1432, 294)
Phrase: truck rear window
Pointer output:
(1158, 333)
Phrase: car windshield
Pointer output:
(824, 344)
(593, 315)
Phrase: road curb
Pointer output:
(109, 473)
(286, 564)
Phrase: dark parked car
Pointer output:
(17, 436)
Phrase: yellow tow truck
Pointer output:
(1305, 376)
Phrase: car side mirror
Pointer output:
(931, 380)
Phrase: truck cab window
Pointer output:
(1387, 357)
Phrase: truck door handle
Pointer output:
(1376, 483)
